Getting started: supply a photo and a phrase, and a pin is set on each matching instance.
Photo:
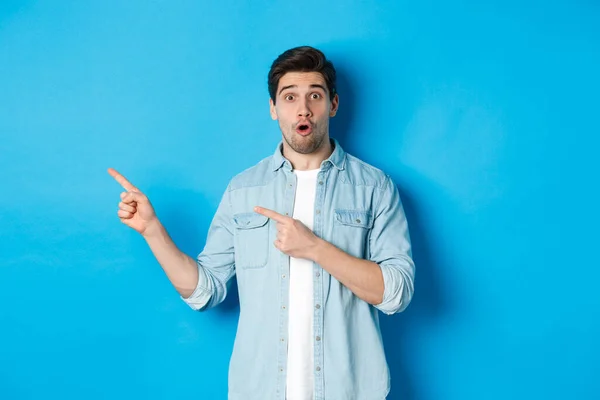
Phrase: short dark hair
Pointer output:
(302, 59)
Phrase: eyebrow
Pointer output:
(311, 86)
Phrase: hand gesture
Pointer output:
(135, 209)
(293, 237)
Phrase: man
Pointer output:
(319, 243)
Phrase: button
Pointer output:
(283, 276)
(320, 182)
(318, 338)
(318, 369)
(318, 306)
(318, 212)
(357, 221)
(282, 339)
(318, 274)
(291, 185)
(283, 307)
(286, 214)
(280, 369)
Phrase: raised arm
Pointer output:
(136, 211)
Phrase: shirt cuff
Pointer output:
(397, 291)
(202, 294)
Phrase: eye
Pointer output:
(315, 96)
(289, 97)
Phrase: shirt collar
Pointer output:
(337, 157)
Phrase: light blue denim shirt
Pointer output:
(358, 209)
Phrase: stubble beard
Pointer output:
(308, 144)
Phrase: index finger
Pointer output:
(122, 181)
(275, 216)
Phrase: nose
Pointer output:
(303, 110)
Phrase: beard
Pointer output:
(305, 144)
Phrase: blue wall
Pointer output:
(485, 114)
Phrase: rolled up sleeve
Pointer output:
(216, 262)
(390, 248)
(199, 299)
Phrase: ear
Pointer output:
(272, 110)
(335, 102)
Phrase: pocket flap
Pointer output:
(359, 218)
(249, 220)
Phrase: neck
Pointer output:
(305, 162)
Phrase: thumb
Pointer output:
(130, 197)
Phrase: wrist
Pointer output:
(153, 230)
(319, 249)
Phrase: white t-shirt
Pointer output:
(300, 364)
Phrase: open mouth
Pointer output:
(303, 129)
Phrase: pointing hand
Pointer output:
(293, 237)
(135, 209)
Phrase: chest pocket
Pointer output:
(251, 240)
(351, 231)
(357, 218)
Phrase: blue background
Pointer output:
(485, 114)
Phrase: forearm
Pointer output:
(180, 268)
(362, 277)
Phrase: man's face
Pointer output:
(303, 110)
